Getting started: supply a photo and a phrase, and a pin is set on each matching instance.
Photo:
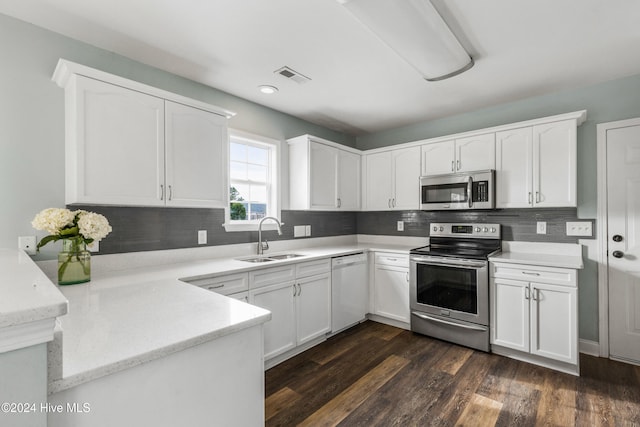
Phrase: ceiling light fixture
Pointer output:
(416, 32)
(268, 89)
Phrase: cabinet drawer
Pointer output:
(270, 276)
(311, 268)
(224, 285)
(534, 273)
(387, 258)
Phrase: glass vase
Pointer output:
(74, 262)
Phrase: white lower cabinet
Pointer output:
(534, 311)
(300, 304)
(391, 286)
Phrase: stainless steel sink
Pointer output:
(285, 256)
(256, 259)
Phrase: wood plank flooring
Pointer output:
(378, 375)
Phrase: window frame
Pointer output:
(274, 185)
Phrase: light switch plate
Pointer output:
(202, 237)
(307, 231)
(579, 228)
(541, 227)
(299, 231)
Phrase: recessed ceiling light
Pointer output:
(268, 89)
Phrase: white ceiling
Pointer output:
(521, 48)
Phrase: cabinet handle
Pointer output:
(339, 202)
(534, 295)
(161, 192)
(407, 277)
(453, 168)
(392, 259)
(215, 287)
(389, 203)
(393, 202)
(530, 198)
(458, 163)
(295, 290)
(299, 289)
(537, 197)
(170, 193)
(527, 293)
(529, 273)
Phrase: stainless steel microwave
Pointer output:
(458, 191)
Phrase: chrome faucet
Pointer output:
(262, 246)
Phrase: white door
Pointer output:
(623, 239)
(391, 292)
(406, 178)
(313, 307)
(279, 332)
(554, 329)
(476, 153)
(514, 186)
(324, 175)
(554, 164)
(510, 313)
(196, 148)
(378, 181)
(348, 180)
(438, 158)
(119, 149)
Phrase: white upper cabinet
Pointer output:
(323, 175)
(392, 179)
(115, 145)
(196, 157)
(132, 144)
(460, 155)
(536, 166)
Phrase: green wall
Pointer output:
(32, 117)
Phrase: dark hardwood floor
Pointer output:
(377, 375)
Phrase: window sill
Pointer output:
(250, 227)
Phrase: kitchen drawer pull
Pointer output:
(161, 192)
(391, 259)
(170, 193)
(529, 273)
(215, 287)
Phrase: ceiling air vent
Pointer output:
(292, 75)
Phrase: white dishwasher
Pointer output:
(349, 291)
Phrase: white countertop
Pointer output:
(562, 255)
(127, 317)
(26, 294)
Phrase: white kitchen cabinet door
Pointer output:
(280, 331)
(391, 292)
(514, 173)
(510, 313)
(406, 178)
(554, 329)
(196, 157)
(348, 180)
(115, 145)
(313, 307)
(554, 168)
(438, 158)
(323, 163)
(476, 153)
(379, 184)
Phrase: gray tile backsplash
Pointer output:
(147, 228)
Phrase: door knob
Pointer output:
(617, 238)
(618, 254)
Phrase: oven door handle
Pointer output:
(470, 192)
(430, 261)
(433, 319)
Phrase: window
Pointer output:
(253, 183)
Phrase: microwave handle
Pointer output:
(469, 190)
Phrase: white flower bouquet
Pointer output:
(76, 229)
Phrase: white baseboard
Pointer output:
(591, 348)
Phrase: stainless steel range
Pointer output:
(450, 283)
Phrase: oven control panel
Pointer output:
(481, 231)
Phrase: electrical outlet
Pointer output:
(541, 228)
(27, 244)
(202, 237)
(299, 231)
(400, 226)
(307, 230)
(579, 228)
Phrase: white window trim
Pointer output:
(275, 183)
